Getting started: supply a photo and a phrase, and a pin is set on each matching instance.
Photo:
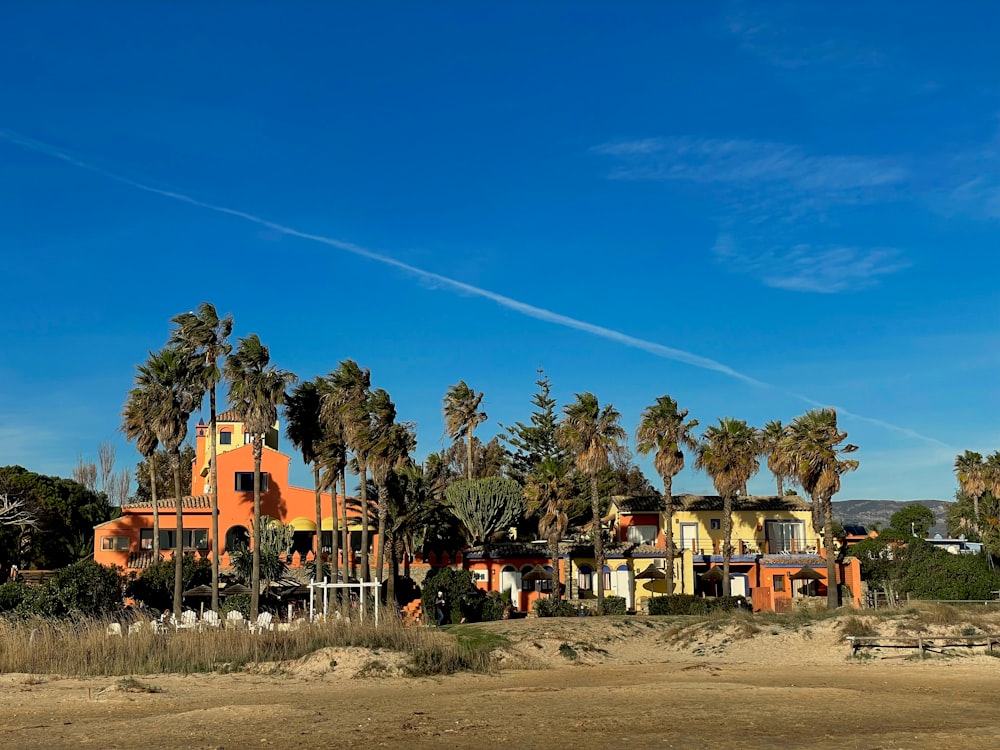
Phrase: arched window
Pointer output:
(607, 578)
(236, 537)
(585, 578)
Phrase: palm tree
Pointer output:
(136, 426)
(550, 491)
(256, 389)
(462, 415)
(205, 335)
(662, 428)
(388, 445)
(813, 441)
(306, 432)
(590, 435)
(167, 382)
(782, 466)
(973, 475)
(730, 454)
(347, 404)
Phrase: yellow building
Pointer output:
(772, 539)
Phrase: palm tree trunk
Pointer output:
(258, 452)
(156, 509)
(668, 533)
(390, 581)
(383, 513)
(554, 554)
(468, 453)
(175, 461)
(365, 541)
(318, 560)
(781, 484)
(727, 544)
(348, 552)
(832, 594)
(595, 507)
(334, 534)
(213, 452)
(817, 514)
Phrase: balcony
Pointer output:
(754, 547)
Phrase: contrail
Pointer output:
(539, 313)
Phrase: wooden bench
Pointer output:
(923, 643)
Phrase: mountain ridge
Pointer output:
(867, 513)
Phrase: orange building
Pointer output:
(127, 541)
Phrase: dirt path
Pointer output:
(622, 690)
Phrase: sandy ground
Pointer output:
(617, 682)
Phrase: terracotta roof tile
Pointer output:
(741, 502)
(188, 501)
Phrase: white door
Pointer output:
(623, 585)
(510, 580)
(689, 536)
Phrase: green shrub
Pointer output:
(84, 589)
(236, 603)
(462, 597)
(548, 607)
(613, 605)
(155, 585)
(688, 604)
(496, 606)
(11, 595)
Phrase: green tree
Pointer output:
(550, 491)
(388, 444)
(815, 445)
(663, 429)
(730, 454)
(256, 390)
(590, 435)
(914, 520)
(462, 415)
(170, 393)
(307, 431)
(273, 544)
(779, 461)
(205, 337)
(61, 519)
(137, 427)
(971, 472)
(347, 404)
(534, 443)
(486, 507)
(159, 469)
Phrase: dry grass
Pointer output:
(84, 648)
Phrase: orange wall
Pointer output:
(281, 501)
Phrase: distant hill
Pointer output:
(869, 512)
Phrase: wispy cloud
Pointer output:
(784, 42)
(756, 183)
(743, 162)
(438, 280)
(811, 268)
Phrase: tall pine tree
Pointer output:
(533, 443)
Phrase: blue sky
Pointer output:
(755, 208)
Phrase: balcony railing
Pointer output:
(756, 546)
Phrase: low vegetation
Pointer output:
(84, 647)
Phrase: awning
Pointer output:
(355, 525)
(302, 524)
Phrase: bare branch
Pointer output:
(13, 512)
(85, 473)
(106, 464)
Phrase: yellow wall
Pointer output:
(748, 525)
